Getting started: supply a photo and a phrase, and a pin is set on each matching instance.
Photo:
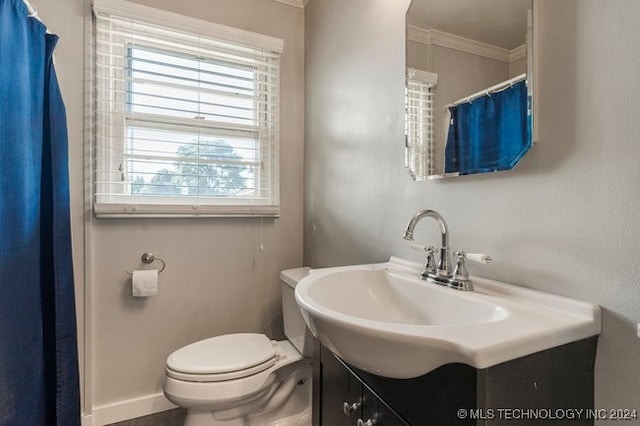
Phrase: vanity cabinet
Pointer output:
(347, 401)
(541, 384)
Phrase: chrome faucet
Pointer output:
(443, 269)
(441, 274)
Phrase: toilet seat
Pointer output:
(196, 391)
(228, 357)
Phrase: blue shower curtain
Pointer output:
(491, 133)
(38, 344)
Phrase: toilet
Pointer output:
(246, 379)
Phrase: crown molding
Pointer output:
(452, 41)
(419, 35)
(463, 44)
(519, 52)
(294, 3)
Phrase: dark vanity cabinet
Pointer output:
(525, 391)
(347, 400)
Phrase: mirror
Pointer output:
(469, 86)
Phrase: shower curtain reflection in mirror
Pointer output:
(38, 343)
(489, 134)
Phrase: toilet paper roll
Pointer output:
(144, 283)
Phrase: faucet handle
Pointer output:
(460, 279)
(420, 247)
(429, 267)
(479, 257)
(460, 271)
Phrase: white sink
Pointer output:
(382, 319)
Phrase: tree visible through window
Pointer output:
(189, 178)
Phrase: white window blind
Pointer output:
(186, 123)
(420, 122)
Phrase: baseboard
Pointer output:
(86, 420)
(127, 409)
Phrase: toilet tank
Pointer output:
(294, 326)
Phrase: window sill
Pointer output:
(140, 211)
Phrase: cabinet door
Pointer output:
(341, 393)
(370, 416)
(376, 413)
(386, 417)
(345, 401)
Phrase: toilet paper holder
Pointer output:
(149, 258)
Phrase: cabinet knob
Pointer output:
(367, 423)
(349, 409)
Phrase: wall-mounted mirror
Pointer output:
(469, 91)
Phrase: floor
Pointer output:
(166, 418)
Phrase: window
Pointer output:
(420, 132)
(186, 122)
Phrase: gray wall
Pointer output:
(217, 279)
(517, 67)
(564, 221)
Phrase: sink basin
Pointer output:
(384, 296)
(383, 319)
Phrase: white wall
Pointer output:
(217, 279)
(564, 221)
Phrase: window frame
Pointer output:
(118, 205)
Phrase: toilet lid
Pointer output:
(223, 354)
